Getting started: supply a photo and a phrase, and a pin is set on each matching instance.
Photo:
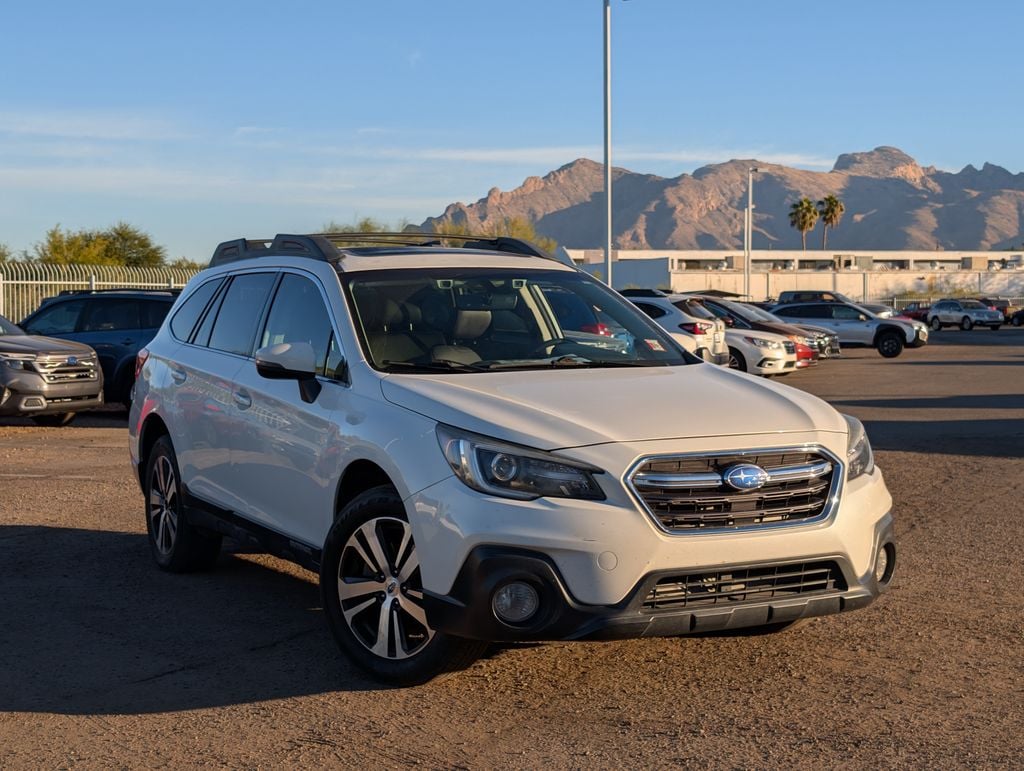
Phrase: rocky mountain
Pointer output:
(891, 203)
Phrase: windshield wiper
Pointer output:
(438, 365)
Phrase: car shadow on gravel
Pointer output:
(108, 418)
(996, 438)
(90, 626)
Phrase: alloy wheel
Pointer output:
(936, 324)
(163, 505)
(380, 589)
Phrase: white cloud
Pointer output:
(88, 125)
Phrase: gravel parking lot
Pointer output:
(105, 661)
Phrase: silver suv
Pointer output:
(857, 326)
(963, 313)
(413, 423)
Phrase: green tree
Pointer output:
(130, 246)
(120, 244)
(831, 211)
(85, 247)
(5, 253)
(803, 216)
(184, 263)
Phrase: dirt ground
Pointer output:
(107, 662)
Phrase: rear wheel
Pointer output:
(54, 421)
(736, 360)
(177, 546)
(373, 595)
(936, 324)
(890, 345)
(966, 324)
(1016, 320)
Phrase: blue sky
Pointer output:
(203, 121)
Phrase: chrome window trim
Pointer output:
(826, 516)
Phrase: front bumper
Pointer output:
(467, 610)
(25, 393)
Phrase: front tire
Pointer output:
(890, 345)
(936, 325)
(966, 324)
(1016, 321)
(54, 421)
(736, 360)
(177, 546)
(373, 595)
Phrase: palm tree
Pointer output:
(831, 210)
(803, 216)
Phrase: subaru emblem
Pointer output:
(745, 476)
(72, 360)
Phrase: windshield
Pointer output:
(973, 304)
(479, 320)
(760, 314)
(7, 328)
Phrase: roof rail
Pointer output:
(314, 247)
(332, 247)
(145, 289)
(415, 238)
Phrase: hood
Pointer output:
(786, 330)
(37, 344)
(559, 409)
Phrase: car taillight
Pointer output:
(140, 359)
(597, 329)
(696, 328)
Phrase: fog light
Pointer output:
(515, 602)
(885, 563)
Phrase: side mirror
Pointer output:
(290, 361)
(862, 317)
(728, 321)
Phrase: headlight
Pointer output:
(761, 342)
(511, 471)
(859, 458)
(16, 360)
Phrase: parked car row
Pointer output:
(77, 351)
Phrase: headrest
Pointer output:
(469, 325)
(438, 312)
(392, 316)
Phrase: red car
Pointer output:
(916, 310)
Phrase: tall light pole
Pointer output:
(748, 230)
(608, 141)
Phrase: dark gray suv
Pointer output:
(45, 379)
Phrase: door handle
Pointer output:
(242, 399)
(178, 375)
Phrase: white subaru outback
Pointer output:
(410, 421)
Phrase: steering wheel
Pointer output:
(541, 347)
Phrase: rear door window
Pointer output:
(111, 315)
(58, 319)
(652, 310)
(188, 314)
(238, 317)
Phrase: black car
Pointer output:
(117, 323)
(44, 379)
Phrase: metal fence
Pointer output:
(23, 285)
(899, 303)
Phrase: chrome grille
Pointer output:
(789, 345)
(738, 585)
(60, 369)
(688, 493)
